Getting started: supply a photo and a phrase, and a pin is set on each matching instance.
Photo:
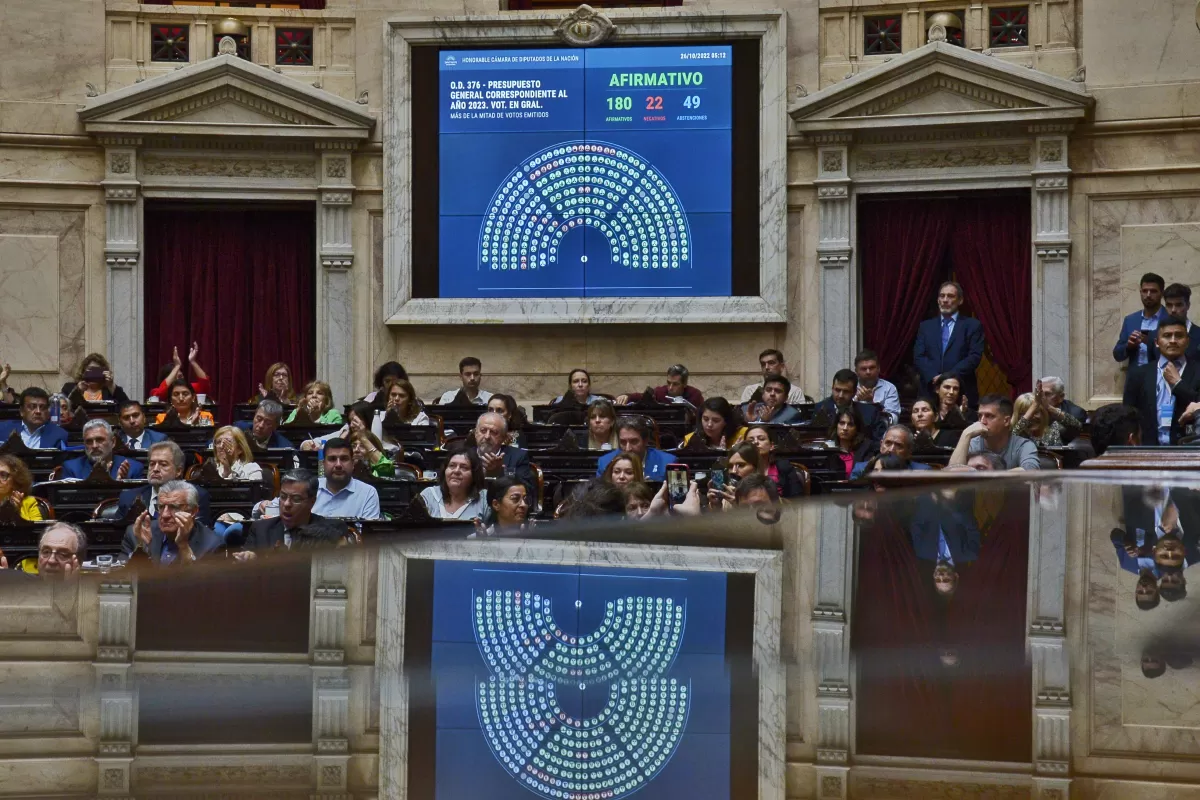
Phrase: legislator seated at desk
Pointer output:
(490, 433)
(338, 493)
(134, 433)
(460, 493)
(34, 427)
(176, 535)
(263, 430)
(296, 526)
(15, 484)
(165, 463)
(773, 407)
(842, 392)
(633, 436)
(898, 443)
(60, 549)
(98, 443)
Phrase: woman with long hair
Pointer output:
(1036, 419)
(186, 406)
(317, 399)
(787, 478)
(277, 383)
(718, 425)
(368, 450)
(388, 369)
(579, 390)
(401, 397)
(624, 470)
(172, 371)
(602, 425)
(506, 406)
(952, 409)
(849, 433)
(461, 492)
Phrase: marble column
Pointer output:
(1052, 255)
(331, 678)
(1048, 644)
(122, 257)
(118, 700)
(831, 650)
(335, 293)
(835, 253)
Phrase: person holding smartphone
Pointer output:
(1135, 343)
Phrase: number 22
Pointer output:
(654, 103)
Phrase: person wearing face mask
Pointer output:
(296, 526)
(317, 400)
(98, 443)
(497, 458)
(718, 426)
(579, 383)
(460, 493)
(773, 407)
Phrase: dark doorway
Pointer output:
(909, 245)
(238, 280)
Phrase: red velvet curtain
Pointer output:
(240, 282)
(902, 244)
(912, 705)
(992, 260)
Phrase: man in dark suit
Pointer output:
(164, 463)
(263, 430)
(945, 534)
(98, 449)
(1177, 300)
(296, 526)
(1136, 341)
(36, 431)
(949, 344)
(490, 433)
(134, 433)
(177, 535)
(845, 387)
(1162, 389)
(1054, 391)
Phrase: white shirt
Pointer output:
(132, 443)
(241, 471)
(432, 497)
(448, 397)
(32, 438)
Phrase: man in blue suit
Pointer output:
(1136, 342)
(36, 431)
(166, 463)
(634, 435)
(949, 344)
(134, 433)
(98, 443)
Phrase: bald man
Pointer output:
(491, 437)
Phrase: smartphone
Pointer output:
(716, 479)
(677, 484)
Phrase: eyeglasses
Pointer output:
(172, 507)
(5, 475)
(49, 553)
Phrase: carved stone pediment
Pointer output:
(941, 85)
(226, 96)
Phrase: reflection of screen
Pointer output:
(599, 172)
(579, 682)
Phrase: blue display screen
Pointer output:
(586, 173)
(574, 683)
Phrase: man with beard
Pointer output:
(98, 445)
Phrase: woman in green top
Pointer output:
(317, 398)
(369, 450)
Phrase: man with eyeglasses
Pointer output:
(36, 431)
(176, 536)
(164, 463)
(62, 548)
(296, 527)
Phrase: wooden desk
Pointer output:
(42, 462)
(1179, 457)
(244, 412)
(233, 496)
(382, 530)
(460, 419)
(414, 437)
(74, 501)
(188, 438)
(545, 437)
(298, 434)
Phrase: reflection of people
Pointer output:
(944, 532)
(1145, 594)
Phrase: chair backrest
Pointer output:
(270, 477)
(409, 469)
(541, 487)
(108, 510)
(56, 473)
(805, 476)
(47, 510)
(1049, 460)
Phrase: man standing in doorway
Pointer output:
(950, 344)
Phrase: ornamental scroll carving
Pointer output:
(229, 168)
(998, 156)
(270, 775)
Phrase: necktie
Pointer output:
(945, 332)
